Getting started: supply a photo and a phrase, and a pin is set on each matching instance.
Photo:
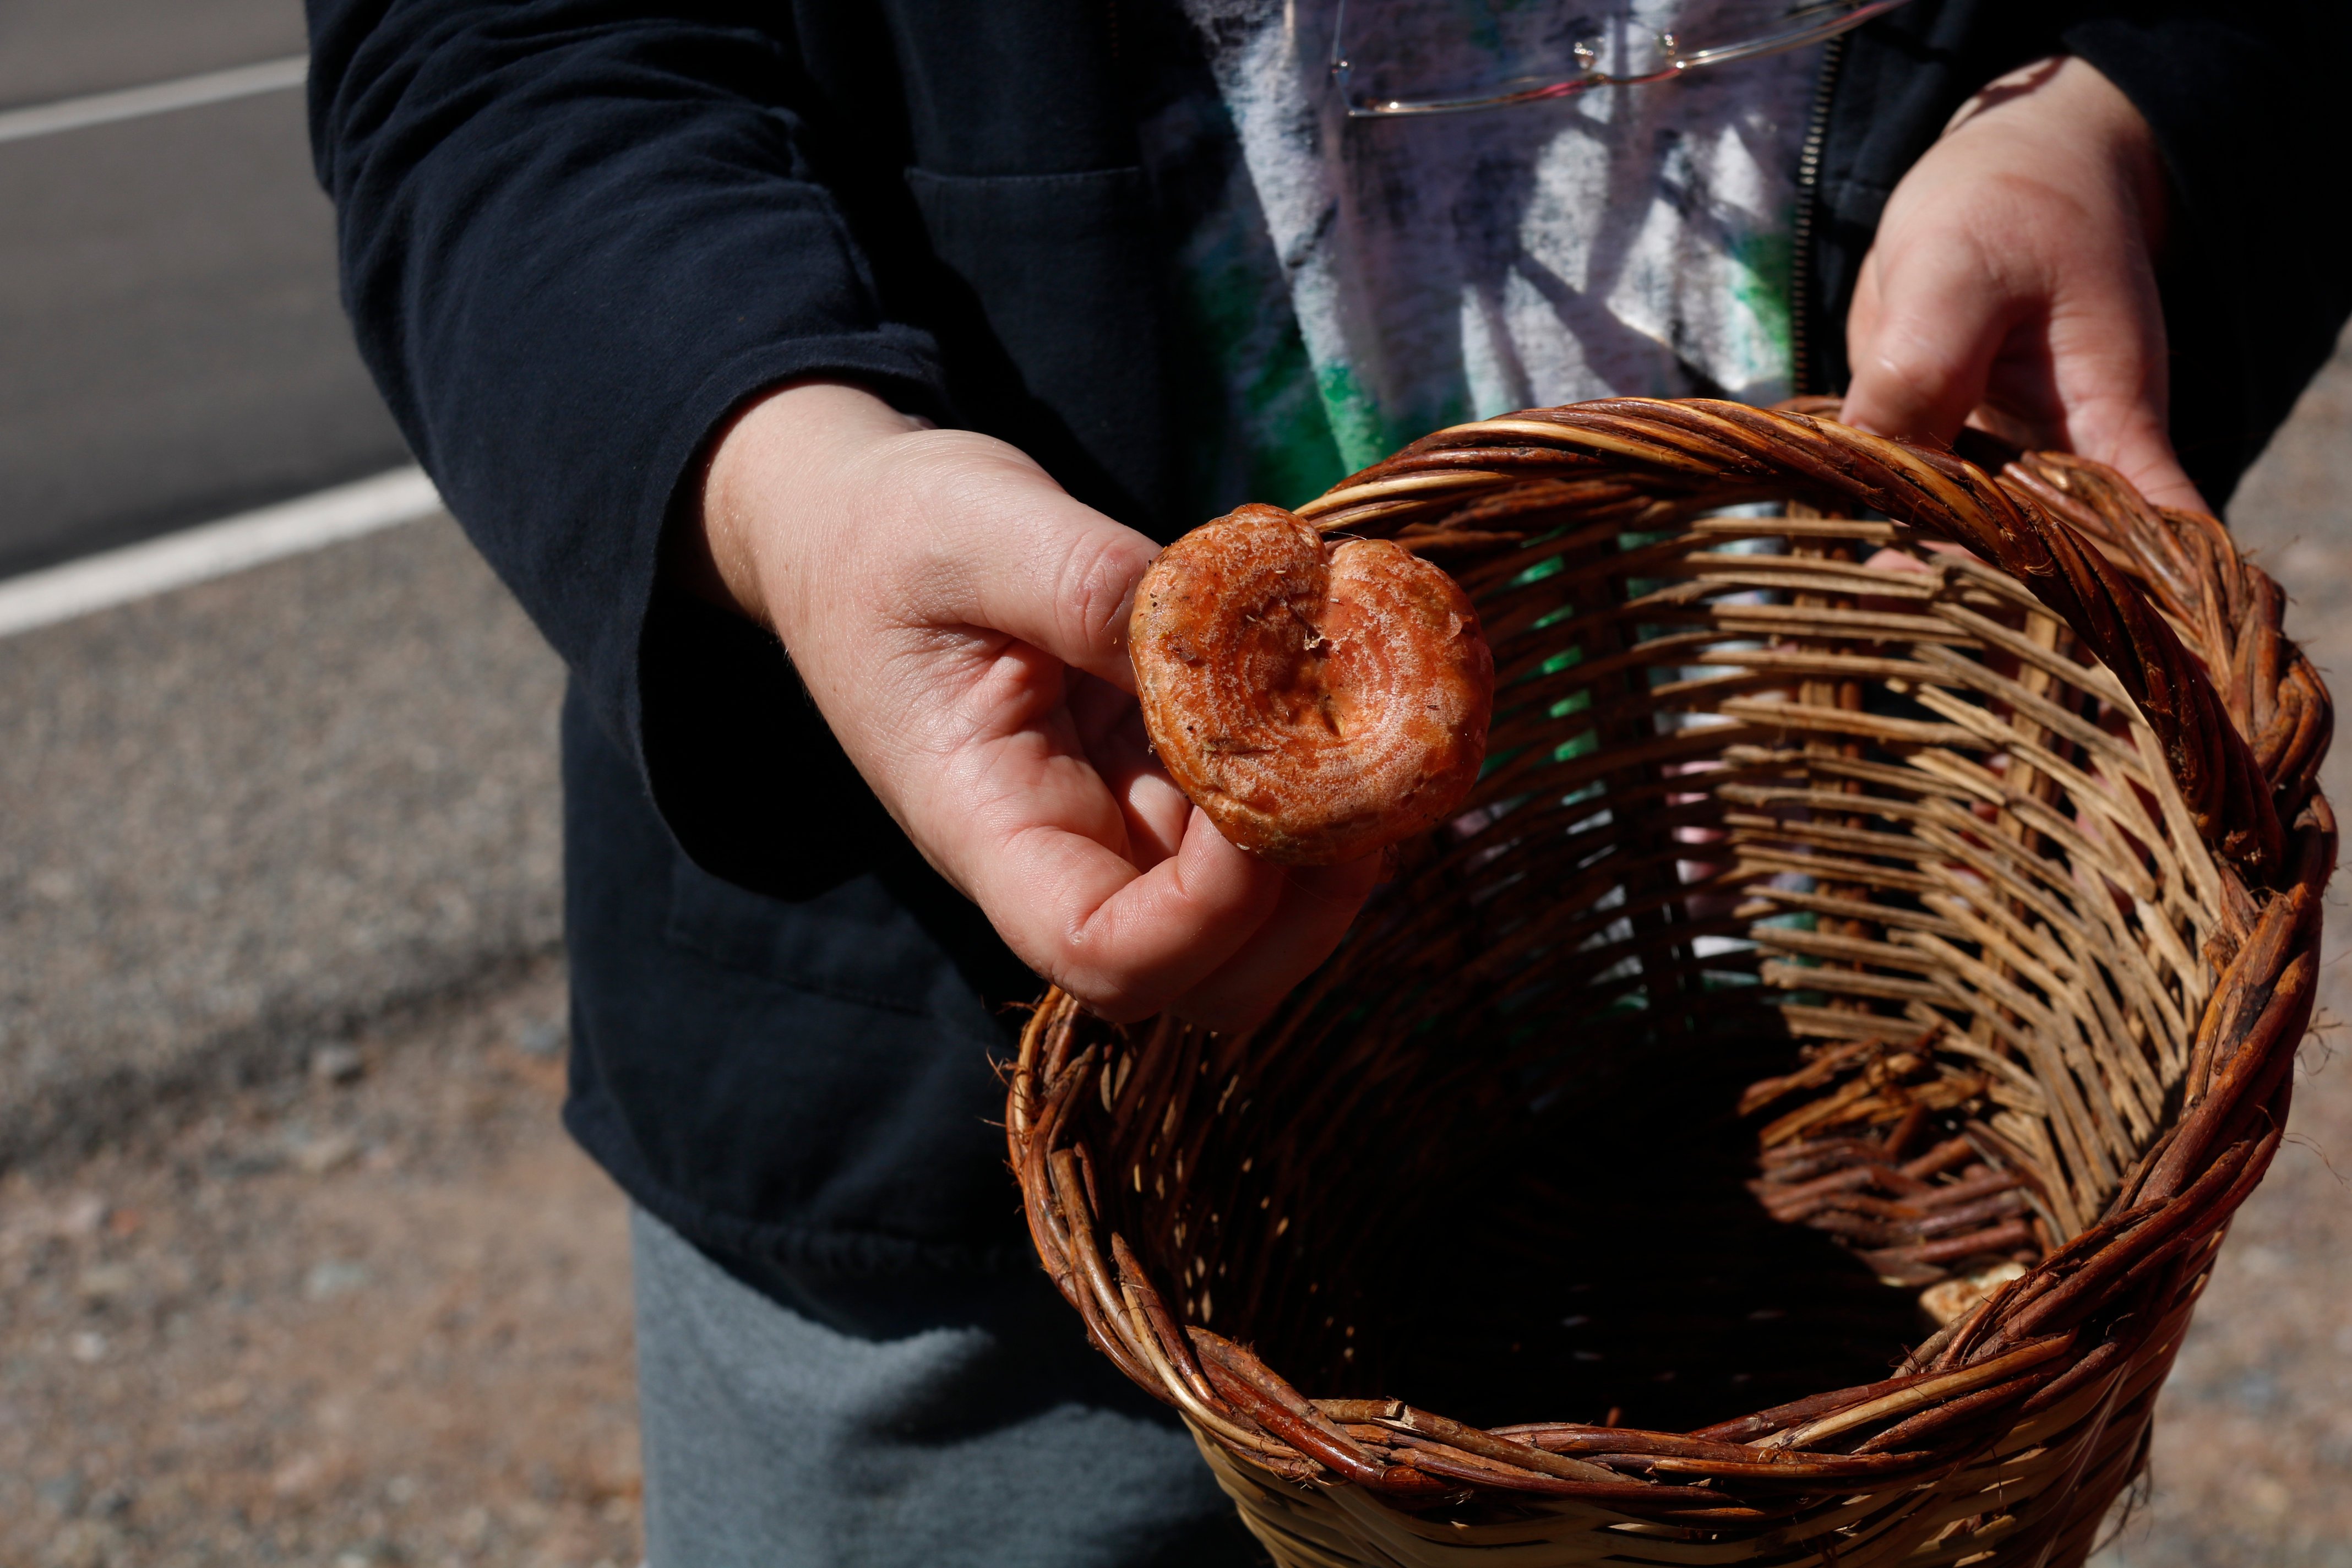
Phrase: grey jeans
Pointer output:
(933, 1422)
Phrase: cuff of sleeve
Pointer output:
(2255, 283)
(733, 754)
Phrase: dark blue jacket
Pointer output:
(576, 234)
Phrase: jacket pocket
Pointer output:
(853, 942)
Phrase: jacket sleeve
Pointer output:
(2257, 272)
(574, 234)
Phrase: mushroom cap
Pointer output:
(1319, 703)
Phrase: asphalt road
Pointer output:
(62, 48)
(251, 816)
(171, 349)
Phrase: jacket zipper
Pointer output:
(1803, 329)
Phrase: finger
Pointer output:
(1125, 943)
(1111, 732)
(1927, 320)
(1013, 811)
(1318, 904)
(2145, 456)
(1003, 546)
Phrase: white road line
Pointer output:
(214, 550)
(156, 98)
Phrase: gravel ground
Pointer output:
(374, 1314)
(2252, 1463)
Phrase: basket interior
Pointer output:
(1824, 934)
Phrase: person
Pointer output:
(822, 378)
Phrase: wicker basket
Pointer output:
(1846, 938)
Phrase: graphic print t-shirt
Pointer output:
(1347, 285)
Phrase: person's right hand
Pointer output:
(961, 623)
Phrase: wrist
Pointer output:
(773, 489)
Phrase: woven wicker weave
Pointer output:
(1845, 936)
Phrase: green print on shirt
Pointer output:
(1767, 261)
(1356, 423)
(1251, 423)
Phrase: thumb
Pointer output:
(1008, 549)
(1925, 325)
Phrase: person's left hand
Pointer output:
(2013, 283)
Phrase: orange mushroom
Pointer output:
(1319, 703)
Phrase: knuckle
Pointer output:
(1094, 585)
